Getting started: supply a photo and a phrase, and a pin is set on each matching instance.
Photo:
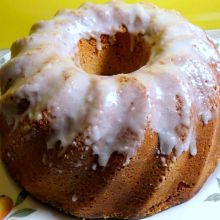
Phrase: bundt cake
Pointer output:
(111, 110)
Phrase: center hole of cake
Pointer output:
(112, 55)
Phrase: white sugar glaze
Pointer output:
(177, 86)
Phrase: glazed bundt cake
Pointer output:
(111, 110)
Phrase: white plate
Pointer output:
(197, 208)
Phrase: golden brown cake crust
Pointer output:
(71, 178)
(146, 186)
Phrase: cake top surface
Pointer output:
(178, 86)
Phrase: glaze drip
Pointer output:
(178, 86)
